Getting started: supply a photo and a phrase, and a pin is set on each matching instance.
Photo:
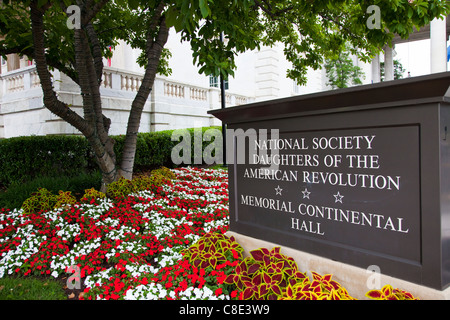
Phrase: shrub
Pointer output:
(120, 188)
(265, 274)
(165, 172)
(65, 198)
(321, 288)
(270, 275)
(23, 159)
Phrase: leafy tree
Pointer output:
(341, 71)
(398, 70)
(310, 31)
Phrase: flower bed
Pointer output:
(164, 243)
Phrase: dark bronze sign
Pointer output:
(337, 186)
(356, 175)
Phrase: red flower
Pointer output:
(218, 292)
(169, 285)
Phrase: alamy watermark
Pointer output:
(374, 280)
(74, 19)
(194, 152)
(374, 21)
(74, 281)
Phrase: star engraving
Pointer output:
(306, 194)
(278, 190)
(338, 197)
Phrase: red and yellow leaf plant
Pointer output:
(213, 249)
(389, 293)
(265, 275)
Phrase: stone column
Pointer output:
(438, 40)
(267, 74)
(376, 69)
(388, 63)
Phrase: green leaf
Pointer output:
(42, 2)
(133, 4)
(204, 8)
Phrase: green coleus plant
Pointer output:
(123, 187)
(40, 200)
(320, 288)
(120, 188)
(65, 198)
(45, 200)
(92, 195)
(213, 249)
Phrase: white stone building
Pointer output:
(179, 101)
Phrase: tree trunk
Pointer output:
(94, 126)
(88, 62)
(153, 52)
(89, 74)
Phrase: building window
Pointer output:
(214, 82)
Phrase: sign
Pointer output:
(337, 186)
(358, 175)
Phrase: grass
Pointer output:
(31, 289)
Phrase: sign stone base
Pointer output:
(353, 279)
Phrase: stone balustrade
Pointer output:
(171, 104)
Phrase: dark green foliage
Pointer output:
(17, 193)
(24, 159)
(153, 150)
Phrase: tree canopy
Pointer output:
(311, 31)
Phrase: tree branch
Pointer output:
(268, 9)
(153, 52)
(50, 99)
(86, 19)
(96, 51)
(29, 52)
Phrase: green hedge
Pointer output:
(23, 159)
